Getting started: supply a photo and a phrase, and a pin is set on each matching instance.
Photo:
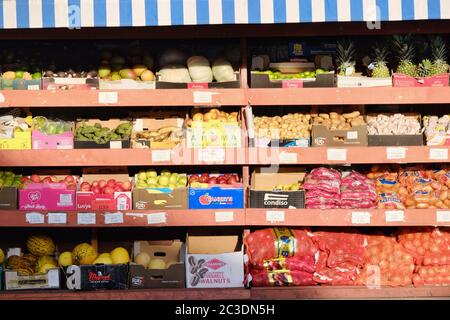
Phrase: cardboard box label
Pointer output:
(443, 216)
(57, 218)
(86, 218)
(360, 217)
(394, 215)
(34, 218)
(291, 83)
(395, 153)
(438, 154)
(216, 198)
(352, 135)
(156, 218)
(111, 218)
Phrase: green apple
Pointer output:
(182, 180)
(163, 181)
(142, 176)
(152, 174)
(173, 178)
(152, 181)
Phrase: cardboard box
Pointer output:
(125, 84)
(144, 199)
(199, 85)
(402, 80)
(396, 140)
(21, 141)
(214, 261)
(50, 280)
(361, 81)
(99, 276)
(265, 142)
(87, 200)
(324, 137)
(8, 198)
(214, 133)
(262, 194)
(154, 123)
(217, 197)
(323, 80)
(54, 141)
(170, 252)
(21, 84)
(113, 144)
(47, 196)
(70, 84)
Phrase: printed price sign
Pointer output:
(211, 155)
(34, 218)
(443, 216)
(86, 218)
(394, 216)
(108, 97)
(395, 153)
(224, 216)
(275, 216)
(156, 218)
(57, 218)
(438, 154)
(160, 155)
(111, 218)
(360, 217)
(203, 97)
(337, 154)
(288, 157)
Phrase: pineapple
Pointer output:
(380, 68)
(405, 55)
(438, 52)
(425, 68)
(345, 50)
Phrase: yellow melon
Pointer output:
(65, 259)
(40, 245)
(120, 256)
(84, 253)
(2, 256)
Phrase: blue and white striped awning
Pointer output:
(16, 14)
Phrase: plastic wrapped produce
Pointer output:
(322, 187)
(437, 130)
(396, 124)
(299, 263)
(432, 276)
(357, 191)
(265, 278)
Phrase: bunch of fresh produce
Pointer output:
(378, 68)
(345, 52)
(53, 72)
(9, 179)
(176, 68)
(151, 179)
(277, 75)
(290, 126)
(165, 134)
(9, 125)
(100, 135)
(357, 191)
(396, 124)
(147, 262)
(322, 187)
(51, 127)
(106, 187)
(198, 181)
(336, 121)
(138, 66)
(213, 114)
(437, 129)
(84, 253)
(69, 181)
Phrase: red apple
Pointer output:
(118, 189)
(111, 183)
(85, 186)
(212, 180)
(231, 180)
(203, 179)
(71, 186)
(95, 183)
(35, 178)
(46, 180)
(108, 190)
(205, 175)
(194, 178)
(222, 180)
(126, 186)
(54, 179)
(102, 183)
(96, 190)
(69, 179)
(25, 180)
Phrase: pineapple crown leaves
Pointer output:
(345, 51)
(438, 49)
(380, 53)
(404, 47)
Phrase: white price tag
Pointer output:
(395, 153)
(394, 216)
(438, 154)
(34, 218)
(337, 154)
(288, 157)
(203, 97)
(275, 216)
(111, 218)
(224, 216)
(115, 144)
(14, 252)
(86, 218)
(160, 155)
(156, 218)
(2, 98)
(360, 217)
(211, 155)
(57, 218)
(53, 278)
(108, 97)
(352, 135)
(33, 87)
(443, 216)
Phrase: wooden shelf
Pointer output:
(225, 97)
(345, 217)
(136, 218)
(342, 292)
(221, 156)
(269, 293)
(348, 96)
(142, 294)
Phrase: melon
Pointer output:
(45, 260)
(143, 259)
(103, 259)
(40, 245)
(157, 264)
(65, 259)
(45, 267)
(2, 256)
(120, 256)
(84, 253)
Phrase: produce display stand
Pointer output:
(244, 20)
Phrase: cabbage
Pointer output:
(174, 73)
(199, 69)
(223, 71)
(171, 56)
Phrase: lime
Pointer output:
(19, 74)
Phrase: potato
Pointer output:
(324, 115)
